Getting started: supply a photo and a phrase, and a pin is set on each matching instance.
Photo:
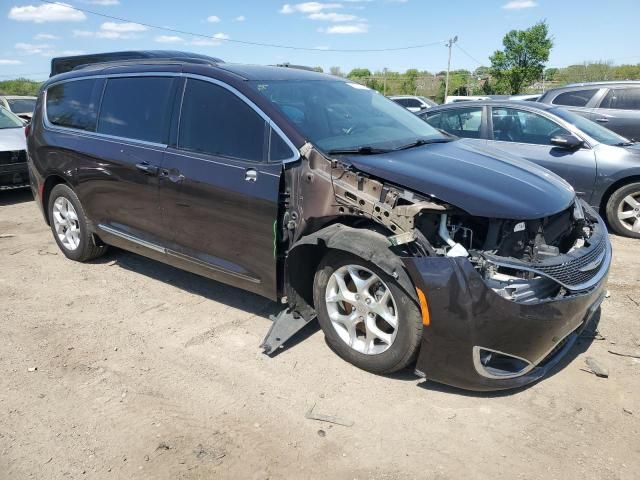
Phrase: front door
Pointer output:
(220, 192)
(527, 134)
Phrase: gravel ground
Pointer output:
(127, 368)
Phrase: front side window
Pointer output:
(74, 104)
(216, 122)
(138, 108)
(343, 117)
(462, 122)
(575, 98)
(594, 130)
(511, 125)
(622, 99)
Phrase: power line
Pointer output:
(469, 55)
(242, 42)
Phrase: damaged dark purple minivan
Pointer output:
(409, 246)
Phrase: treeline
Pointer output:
(19, 86)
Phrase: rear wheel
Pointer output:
(623, 210)
(69, 225)
(366, 317)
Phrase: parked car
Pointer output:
(22, 106)
(463, 98)
(602, 166)
(324, 196)
(526, 98)
(615, 105)
(13, 159)
(413, 103)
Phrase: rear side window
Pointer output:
(462, 122)
(576, 98)
(622, 99)
(74, 104)
(216, 122)
(137, 108)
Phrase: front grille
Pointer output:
(571, 273)
(15, 156)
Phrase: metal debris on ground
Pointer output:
(32, 369)
(627, 411)
(596, 368)
(7, 235)
(327, 418)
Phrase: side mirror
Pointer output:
(567, 141)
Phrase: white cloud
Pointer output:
(308, 7)
(5, 61)
(169, 39)
(213, 19)
(46, 36)
(113, 31)
(240, 18)
(32, 48)
(104, 3)
(332, 17)
(519, 4)
(347, 28)
(216, 40)
(49, 12)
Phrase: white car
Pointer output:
(13, 158)
(413, 103)
(464, 98)
(22, 105)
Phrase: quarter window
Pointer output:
(74, 104)
(216, 122)
(575, 98)
(511, 125)
(462, 122)
(137, 108)
(622, 99)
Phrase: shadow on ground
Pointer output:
(13, 197)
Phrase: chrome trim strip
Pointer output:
(131, 238)
(173, 253)
(47, 124)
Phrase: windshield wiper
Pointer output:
(626, 144)
(422, 141)
(364, 150)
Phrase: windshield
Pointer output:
(595, 131)
(9, 120)
(338, 116)
(22, 105)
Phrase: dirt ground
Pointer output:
(145, 371)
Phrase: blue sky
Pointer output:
(32, 32)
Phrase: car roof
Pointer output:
(272, 73)
(608, 82)
(494, 103)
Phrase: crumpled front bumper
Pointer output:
(466, 315)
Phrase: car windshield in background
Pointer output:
(21, 105)
(595, 131)
(8, 120)
(343, 117)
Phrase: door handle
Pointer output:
(602, 120)
(251, 175)
(147, 168)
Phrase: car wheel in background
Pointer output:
(623, 210)
(366, 317)
(69, 225)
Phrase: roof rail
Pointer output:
(67, 64)
(297, 67)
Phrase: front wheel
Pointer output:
(366, 317)
(69, 225)
(623, 210)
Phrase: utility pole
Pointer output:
(384, 88)
(446, 83)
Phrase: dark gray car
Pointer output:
(602, 166)
(615, 105)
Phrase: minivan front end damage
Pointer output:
(506, 298)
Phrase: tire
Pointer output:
(85, 249)
(623, 210)
(383, 357)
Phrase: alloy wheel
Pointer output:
(65, 222)
(362, 309)
(629, 212)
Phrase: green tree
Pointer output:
(523, 58)
(359, 73)
(19, 86)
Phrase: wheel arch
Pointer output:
(50, 182)
(611, 190)
(305, 255)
